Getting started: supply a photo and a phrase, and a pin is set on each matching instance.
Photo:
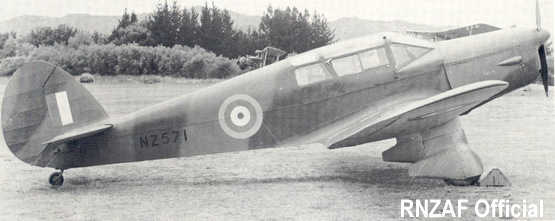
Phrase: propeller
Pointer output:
(541, 51)
(543, 70)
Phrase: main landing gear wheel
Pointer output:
(471, 181)
(56, 178)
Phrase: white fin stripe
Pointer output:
(63, 108)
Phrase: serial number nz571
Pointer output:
(163, 138)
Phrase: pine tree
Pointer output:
(321, 34)
(125, 21)
(204, 38)
(216, 31)
(49, 36)
(293, 31)
(134, 18)
(188, 28)
(164, 23)
(135, 33)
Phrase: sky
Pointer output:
(501, 13)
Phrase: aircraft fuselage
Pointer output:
(270, 106)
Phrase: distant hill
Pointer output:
(240, 21)
(245, 21)
(103, 24)
(24, 24)
(345, 28)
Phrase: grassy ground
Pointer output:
(304, 183)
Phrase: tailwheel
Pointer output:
(471, 181)
(56, 178)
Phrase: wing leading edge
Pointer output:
(362, 126)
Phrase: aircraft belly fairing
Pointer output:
(437, 152)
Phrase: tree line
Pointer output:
(212, 29)
(209, 32)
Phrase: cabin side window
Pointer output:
(373, 59)
(347, 65)
(404, 54)
(357, 63)
(311, 74)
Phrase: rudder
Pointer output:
(42, 101)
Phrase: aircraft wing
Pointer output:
(455, 33)
(357, 127)
(44, 157)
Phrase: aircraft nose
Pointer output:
(543, 36)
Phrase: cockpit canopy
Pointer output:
(387, 50)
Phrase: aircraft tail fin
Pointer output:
(42, 102)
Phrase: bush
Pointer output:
(14, 47)
(86, 78)
(109, 59)
(9, 65)
(150, 79)
(221, 68)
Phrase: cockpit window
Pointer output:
(311, 74)
(357, 63)
(347, 65)
(374, 58)
(404, 54)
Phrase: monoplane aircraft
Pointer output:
(382, 86)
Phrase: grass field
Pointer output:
(309, 182)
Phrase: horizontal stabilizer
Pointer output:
(49, 151)
(79, 133)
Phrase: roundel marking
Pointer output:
(240, 116)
